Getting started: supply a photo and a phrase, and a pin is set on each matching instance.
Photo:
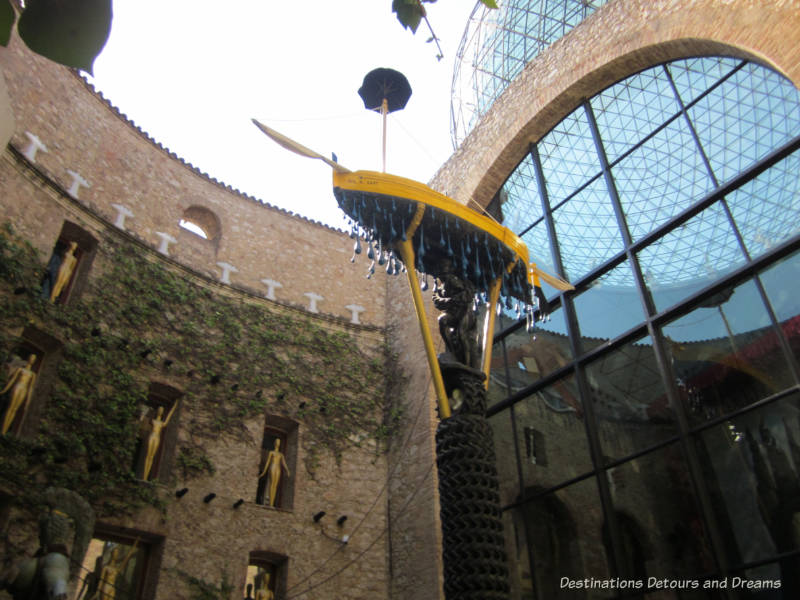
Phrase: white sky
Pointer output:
(192, 73)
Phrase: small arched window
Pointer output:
(201, 222)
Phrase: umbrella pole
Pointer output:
(488, 328)
(384, 112)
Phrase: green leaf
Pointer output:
(490, 3)
(6, 21)
(69, 32)
(409, 13)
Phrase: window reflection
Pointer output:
(752, 466)
(519, 204)
(782, 284)
(506, 458)
(725, 355)
(552, 418)
(660, 178)
(766, 208)
(563, 533)
(629, 400)
(609, 307)
(690, 257)
(568, 155)
(655, 493)
(629, 110)
(529, 357)
(587, 230)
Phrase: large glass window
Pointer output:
(663, 440)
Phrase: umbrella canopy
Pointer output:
(380, 84)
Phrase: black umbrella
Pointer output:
(385, 84)
(385, 90)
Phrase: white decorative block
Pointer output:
(166, 240)
(355, 310)
(122, 213)
(77, 182)
(271, 285)
(227, 269)
(34, 145)
(312, 301)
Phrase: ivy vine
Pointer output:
(233, 359)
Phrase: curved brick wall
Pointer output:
(131, 175)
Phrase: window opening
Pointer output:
(266, 576)
(157, 432)
(21, 374)
(273, 469)
(193, 227)
(69, 264)
(276, 465)
(117, 565)
(201, 222)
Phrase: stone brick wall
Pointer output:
(208, 540)
(124, 168)
(84, 134)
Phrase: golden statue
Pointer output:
(107, 586)
(264, 593)
(68, 262)
(21, 386)
(275, 460)
(157, 425)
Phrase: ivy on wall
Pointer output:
(138, 322)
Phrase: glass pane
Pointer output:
(551, 435)
(657, 513)
(114, 568)
(587, 230)
(531, 357)
(766, 209)
(506, 456)
(519, 559)
(563, 535)
(782, 285)
(661, 178)
(752, 467)
(630, 403)
(694, 76)
(690, 257)
(725, 354)
(746, 117)
(631, 109)
(520, 203)
(538, 242)
(569, 158)
(609, 307)
(781, 281)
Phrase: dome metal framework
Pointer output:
(497, 44)
(658, 143)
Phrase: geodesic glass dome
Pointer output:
(497, 44)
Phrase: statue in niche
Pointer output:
(65, 528)
(263, 592)
(107, 586)
(157, 426)
(59, 272)
(457, 323)
(275, 461)
(20, 388)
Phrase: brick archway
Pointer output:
(620, 39)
